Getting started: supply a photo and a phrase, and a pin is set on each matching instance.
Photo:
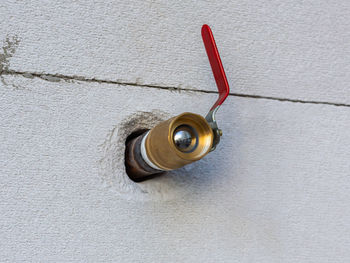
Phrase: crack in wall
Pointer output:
(59, 77)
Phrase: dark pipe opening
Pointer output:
(136, 168)
(134, 135)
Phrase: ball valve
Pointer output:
(183, 139)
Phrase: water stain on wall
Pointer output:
(8, 50)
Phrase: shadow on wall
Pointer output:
(172, 185)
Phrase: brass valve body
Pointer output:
(170, 145)
(160, 146)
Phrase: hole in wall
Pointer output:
(134, 163)
(134, 135)
(112, 163)
(172, 185)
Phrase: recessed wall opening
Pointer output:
(134, 134)
(134, 163)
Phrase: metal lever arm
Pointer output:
(220, 79)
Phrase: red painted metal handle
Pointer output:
(216, 65)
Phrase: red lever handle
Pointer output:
(216, 65)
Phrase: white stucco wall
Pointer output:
(78, 76)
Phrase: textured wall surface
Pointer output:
(77, 77)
